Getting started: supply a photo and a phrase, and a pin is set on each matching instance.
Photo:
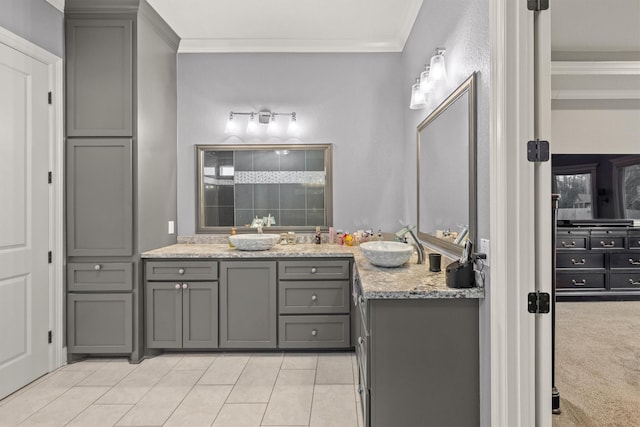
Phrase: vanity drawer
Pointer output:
(626, 281)
(313, 270)
(625, 260)
(321, 297)
(607, 241)
(181, 270)
(580, 280)
(580, 260)
(571, 241)
(99, 277)
(332, 331)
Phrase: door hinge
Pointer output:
(537, 5)
(50, 98)
(50, 336)
(539, 302)
(50, 257)
(538, 151)
(50, 177)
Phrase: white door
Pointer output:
(24, 219)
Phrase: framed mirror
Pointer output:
(285, 187)
(447, 171)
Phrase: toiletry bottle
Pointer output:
(379, 235)
(348, 239)
(233, 233)
(318, 236)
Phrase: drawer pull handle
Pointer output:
(360, 340)
(579, 283)
(632, 262)
(177, 286)
(568, 245)
(581, 262)
(181, 271)
(314, 270)
(314, 297)
(97, 267)
(314, 332)
(185, 286)
(634, 283)
(607, 245)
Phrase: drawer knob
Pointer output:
(178, 286)
(313, 270)
(314, 332)
(97, 267)
(579, 282)
(360, 390)
(181, 271)
(633, 262)
(634, 283)
(607, 245)
(361, 299)
(581, 262)
(185, 286)
(568, 245)
(360, 340)
(314, 297)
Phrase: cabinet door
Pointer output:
(163, 306)
(99, 197)
(99, 323)
(248, 317)
(200, 315)
(99, 77)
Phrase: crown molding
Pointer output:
(58, 4)
(593, 68)
(285, 46)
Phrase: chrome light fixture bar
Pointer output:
(260, 117)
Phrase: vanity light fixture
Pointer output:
(438, 72)
(425, 82)
(417, 97)
(262, 117)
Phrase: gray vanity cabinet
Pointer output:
(99, 80)
(248, 306)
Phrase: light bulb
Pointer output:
(438, 70)
(231, 126)
(273, 128)
(425, 81)
(293, 129)
(252, 126)
(417, 98)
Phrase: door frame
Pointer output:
(55, 69)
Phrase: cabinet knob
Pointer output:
(360, 340)
(185, 286)
(313, 270)
(177, 286)
(181, 271)
(314, 332)
(314, 297)
(361, 299)
(97, 267)
(360, 389)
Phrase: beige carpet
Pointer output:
(598, 363)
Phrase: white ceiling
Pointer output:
(290, 25)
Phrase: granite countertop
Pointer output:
(409, 281)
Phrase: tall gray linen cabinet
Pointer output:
(121, 131)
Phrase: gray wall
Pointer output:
(349, 100)
(36, 21)
(462, 27)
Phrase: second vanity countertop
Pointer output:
(409, 281)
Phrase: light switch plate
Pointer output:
(484, 249)
(172, 227)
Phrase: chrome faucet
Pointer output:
(400, 235)
(257, 223)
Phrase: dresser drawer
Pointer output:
(99, 277)
(313, 270)
(331, 331)
(580, 260)
(580, 280)
(570, 241)
(634, 241)
(626, 281)
(314, 297)
(607, 241)
(181, 270)
(625, 260)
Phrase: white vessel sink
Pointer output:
(386, 254)
(254, 242)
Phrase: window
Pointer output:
(288, 186)
(627, 178)
(576, 186)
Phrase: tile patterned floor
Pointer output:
(205, 389)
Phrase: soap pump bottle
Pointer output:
(318, 236)
(233, 233)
